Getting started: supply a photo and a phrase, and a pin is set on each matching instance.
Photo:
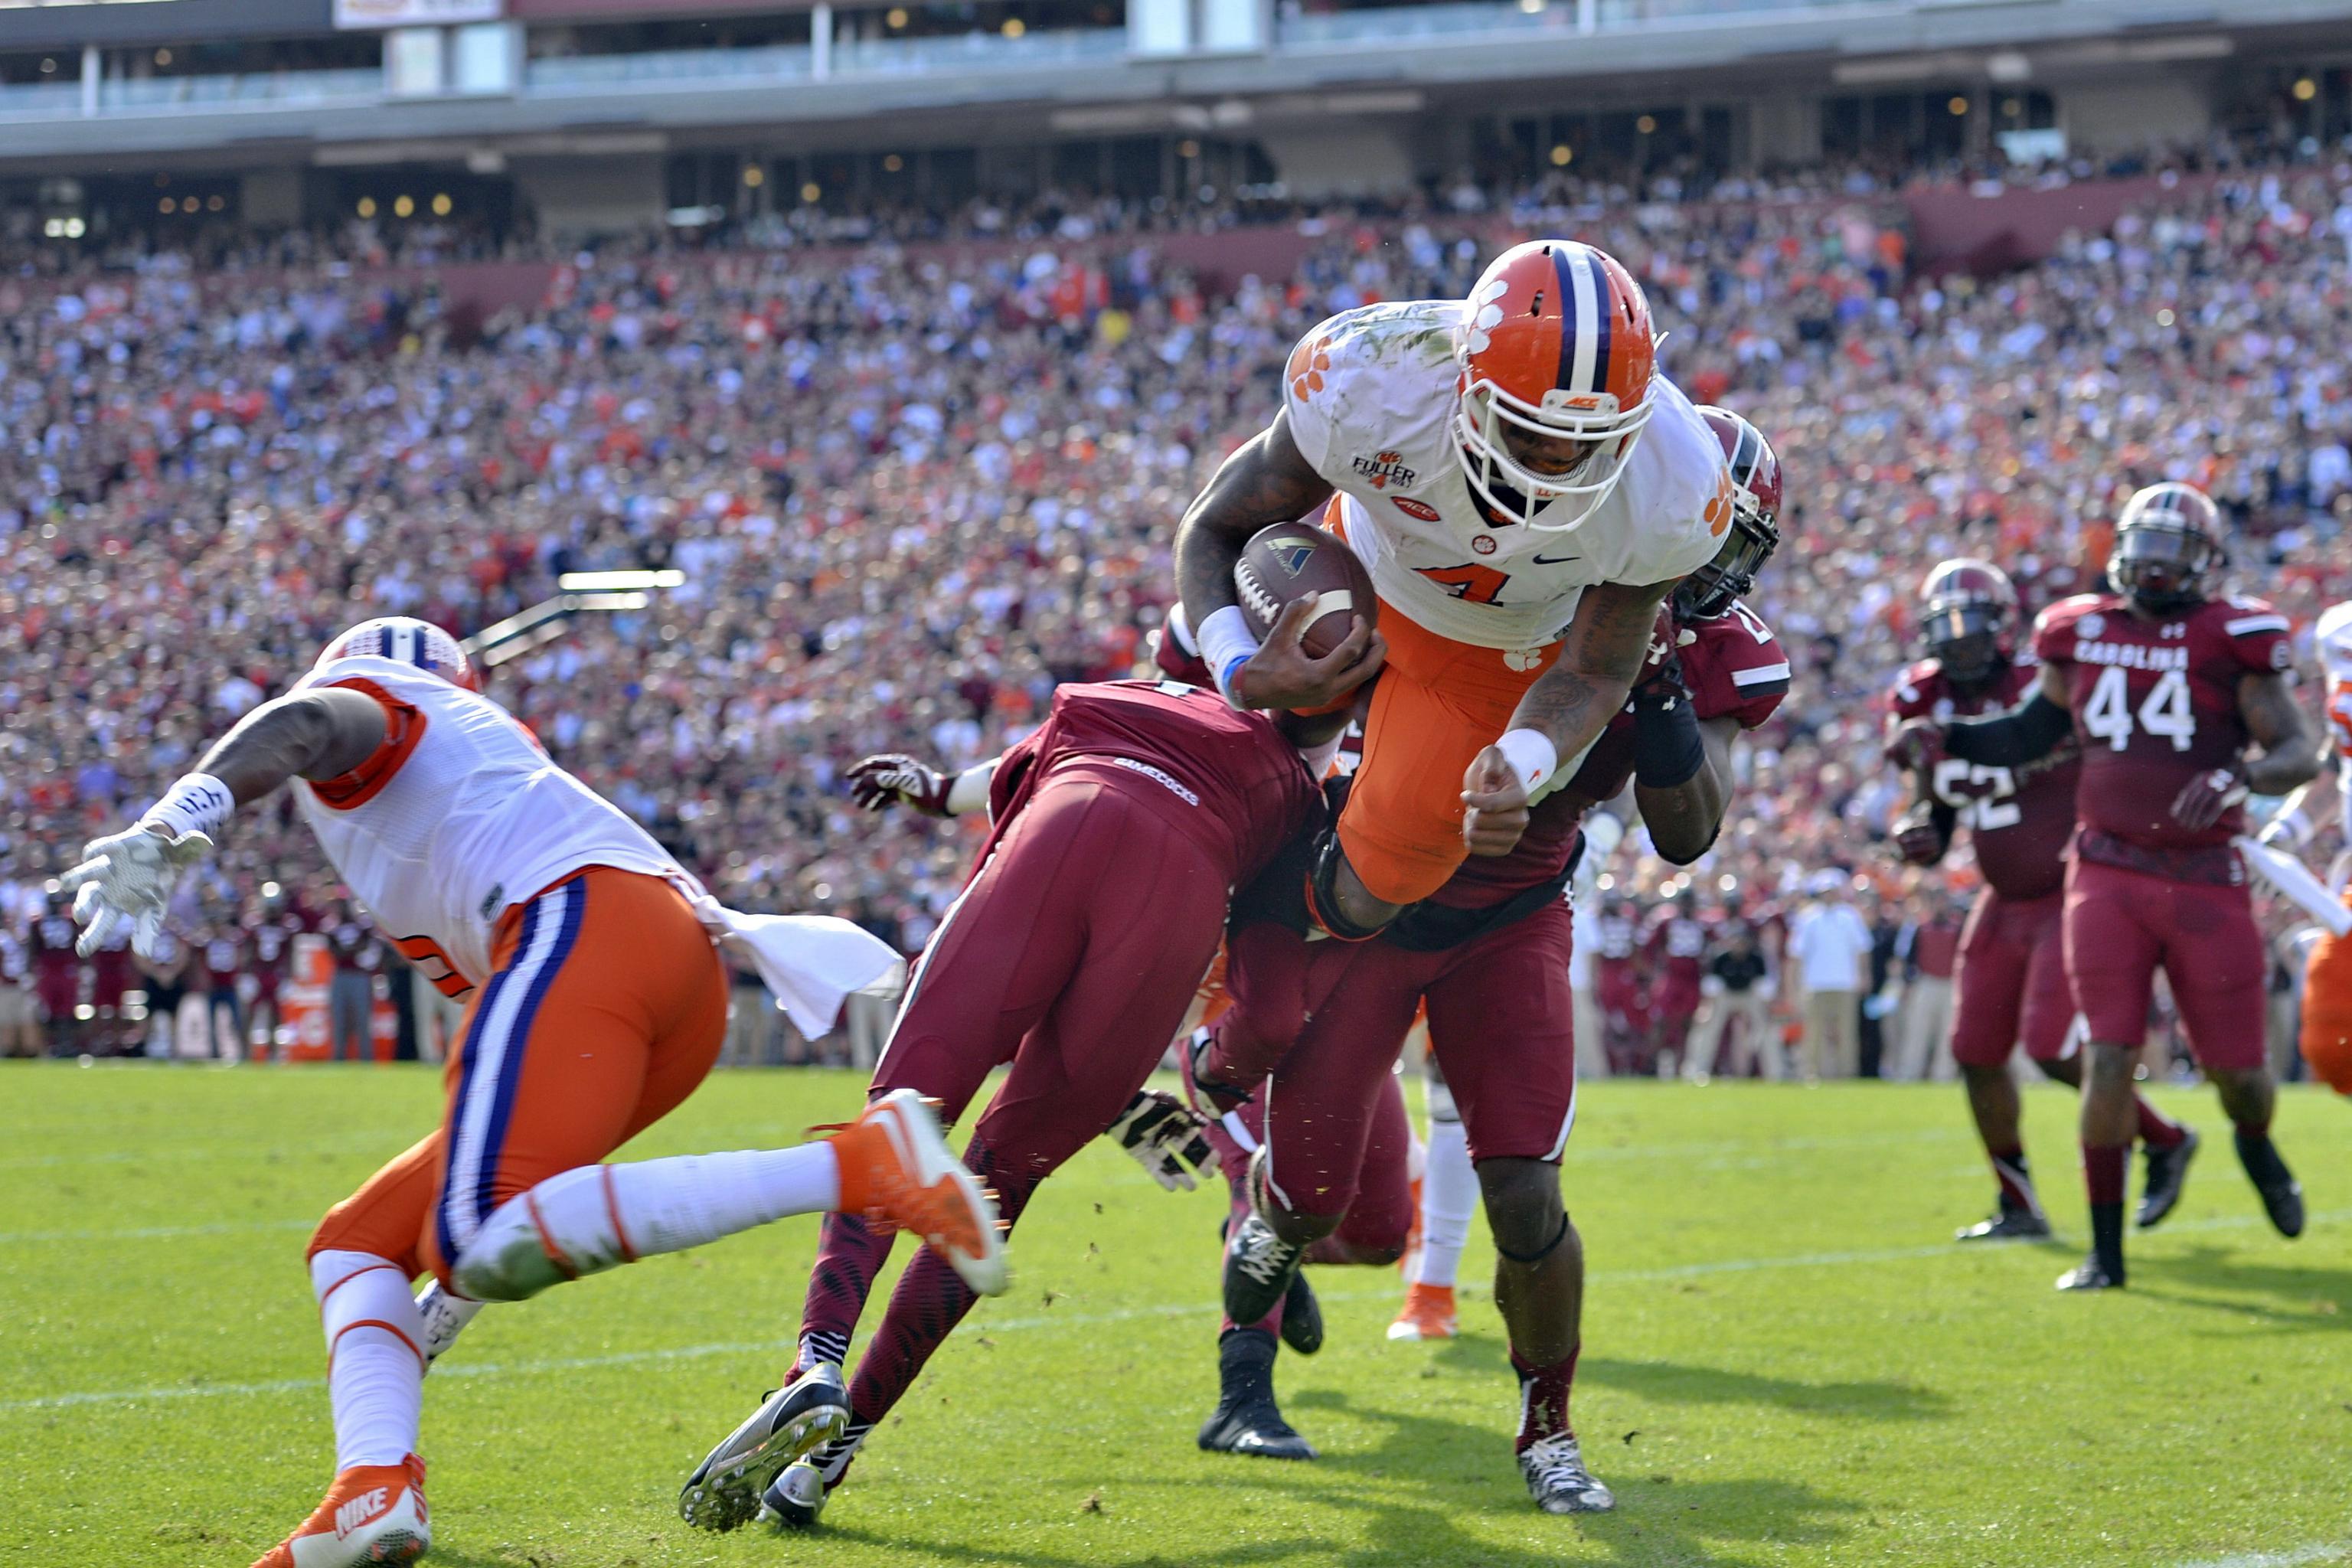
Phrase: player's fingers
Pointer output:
(101, 930)
(90, 870)
(1289, 628)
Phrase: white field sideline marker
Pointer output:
(1084, 1320)
(2318, 1552)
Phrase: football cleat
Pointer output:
(373, 1514)
(2007, 1224)
(723, 1493)
(2090, 1275)
(1254, 1429)
(2168, 1170)
(795, 1499)
(2282, 1201)
(1558, 1480)
(1427, 1314)
(921, 1187)
(1259, 1268)
(1302, 1316)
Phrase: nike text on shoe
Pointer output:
(2168, 1170)
(921, 1187)
(373, 1514)
(723, 1493)
(1558, 1480)
(1259, 1266)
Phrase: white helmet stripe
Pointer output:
(1586, 284)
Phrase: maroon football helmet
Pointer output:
(2167, 547)
(1755, 531)
(1968, 619)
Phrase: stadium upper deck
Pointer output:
(595, 115)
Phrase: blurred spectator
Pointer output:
(351, 992)
(1737, 989)
(1829, 967)
(20, 1009)
(1929, 948)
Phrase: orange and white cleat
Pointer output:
(373, 1514)
(1427, 1314)
(895, 1164)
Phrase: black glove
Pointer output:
(893, 778)
(1163, 1134)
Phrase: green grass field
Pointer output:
(1785, 1362)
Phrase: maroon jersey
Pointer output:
(1734, 669)
(2154, 705)
(1616, 936)
(221, 953)
(271, 943)
(110, 971)
(57, 969)
(1247, 784)
(1676, 946)
(2018, 819)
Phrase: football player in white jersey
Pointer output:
(2327, 973)
(1524, 488)
(597, 1004)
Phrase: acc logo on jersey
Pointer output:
(1385, 468)
(1307, 362)
(2088, 626)
(1419, 508)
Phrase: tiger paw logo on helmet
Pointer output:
(1482, 313)
(1308, 361)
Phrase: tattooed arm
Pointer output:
(1567, 707)
(2290, 754)
(1265, 481)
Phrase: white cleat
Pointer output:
(1559, 1481)
(723, 1493)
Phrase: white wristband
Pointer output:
(1226, 644)
(196, 802)
(1531, 754)
(969, 792)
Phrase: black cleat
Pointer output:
(1259, 1268)
(1302, 1316)
(2090, 1275)
(1246, 1420)
(2006, 1225)
(2282, 1194)
(2168, 1169)
(723, 1493)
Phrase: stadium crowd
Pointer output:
(912, 492)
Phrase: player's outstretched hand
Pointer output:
(1163, 1134)
(1283, 674)
(1494, 801)
(894, 778)
(1918, 745)
(2203, 799)
(1917, 840)
(126, 878)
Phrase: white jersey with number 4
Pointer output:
(457, 818)
(1370, 393)
(2334, 639)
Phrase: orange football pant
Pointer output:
(2328, 1011)
(1437, 705)
(605, 1006)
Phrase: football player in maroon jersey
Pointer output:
(2181, 704)
(2012, 980)
(1488, 954)
(1074, 978)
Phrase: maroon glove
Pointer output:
(1917, 840)
(2203, 799)
(1916, 744)
(893, 778)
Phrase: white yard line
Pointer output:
(2318, 1552)
(1085, 1319)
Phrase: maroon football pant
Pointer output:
(1073, 954)
(2011, 981)
(1499, 1025)
(2121, 926)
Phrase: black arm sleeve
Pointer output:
(2033, 729)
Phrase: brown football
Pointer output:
(1291, 559)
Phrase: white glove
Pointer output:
(126, 879)
(1164, 1136)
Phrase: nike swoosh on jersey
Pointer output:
(1556, 560)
